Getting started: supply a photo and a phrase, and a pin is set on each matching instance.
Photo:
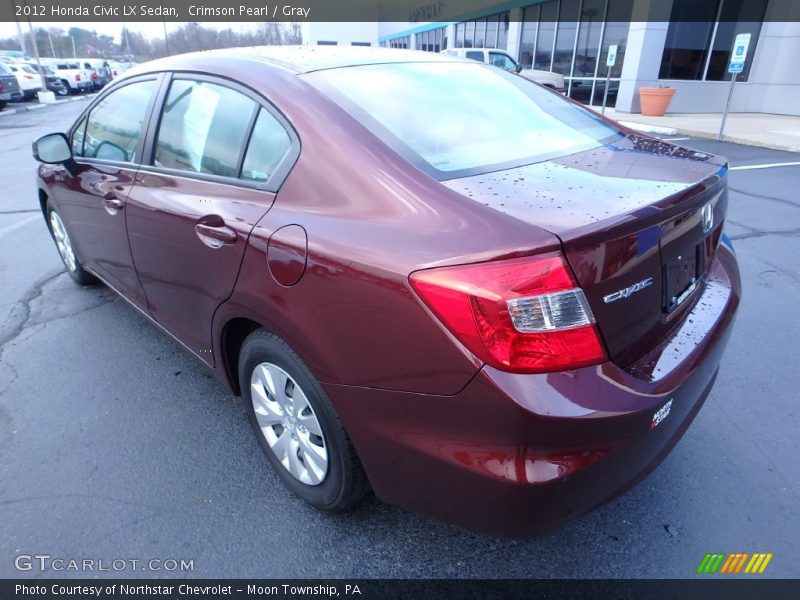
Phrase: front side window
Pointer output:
(203, 129)
(491, 120)
(503, 61)
(114, 126)
(77, 138)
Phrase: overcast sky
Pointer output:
(150, 30)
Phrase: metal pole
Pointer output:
(50, 37)
(74, 52)
(166, 37)
(727, 108)
(35, 46)
(605, 91)
(20, 37)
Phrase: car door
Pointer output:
(217, 155)
(107, 145)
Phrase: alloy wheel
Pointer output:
(63, 242)
(288, 423)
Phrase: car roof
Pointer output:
(296, 59)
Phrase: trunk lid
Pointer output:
(639, 221)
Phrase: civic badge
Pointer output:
(707, 217)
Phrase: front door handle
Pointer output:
(215, 235)
(113, 204)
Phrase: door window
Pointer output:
(114, 126)
(503, 61)
(268, 145)
(204, 128)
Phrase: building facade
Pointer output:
(689, 49)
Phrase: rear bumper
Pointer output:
(518, 455)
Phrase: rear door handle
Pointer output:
(215, 235)
(112, 203)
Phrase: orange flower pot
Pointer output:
(655, 100)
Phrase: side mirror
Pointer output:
(52, 149)
(518, 69)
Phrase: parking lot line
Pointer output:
(18, 225)
(766, 166)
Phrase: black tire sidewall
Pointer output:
(264, 347)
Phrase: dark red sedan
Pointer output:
(426, 276)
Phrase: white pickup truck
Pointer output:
(70, 73)
(501, 58)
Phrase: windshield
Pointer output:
(461, 119)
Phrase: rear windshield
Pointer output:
(455, 119)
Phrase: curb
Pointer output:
(649, 128)
(708, 135)
(25, 109)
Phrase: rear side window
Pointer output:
(268, 145)
(475, 55)
(204, 128)
(115, 125)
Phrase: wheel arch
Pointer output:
(234, 333)
(43, 197)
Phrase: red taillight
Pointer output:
(28, 76)
(77, 77)
(525, 315)
(1, 87)
(94, 75)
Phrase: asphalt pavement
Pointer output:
(115, 444)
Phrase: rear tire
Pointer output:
(298, 429)
(65, 249)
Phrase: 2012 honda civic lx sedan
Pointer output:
(425, 276)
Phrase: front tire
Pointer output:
(297, 426)
(64, 246)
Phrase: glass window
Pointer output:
(78, 137)
(530, 22)
(618, 23)
(475, 55)
(268, 145)
(480, 33)
(503, 61)
(460, 35)
(491, 32)
(547, 32)
(203, 128)
(737, 16)
(502, 31)
(115, 123)
(688, 38)
(589, 38)
(565, 37)
(469, 35)
(491, 119)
